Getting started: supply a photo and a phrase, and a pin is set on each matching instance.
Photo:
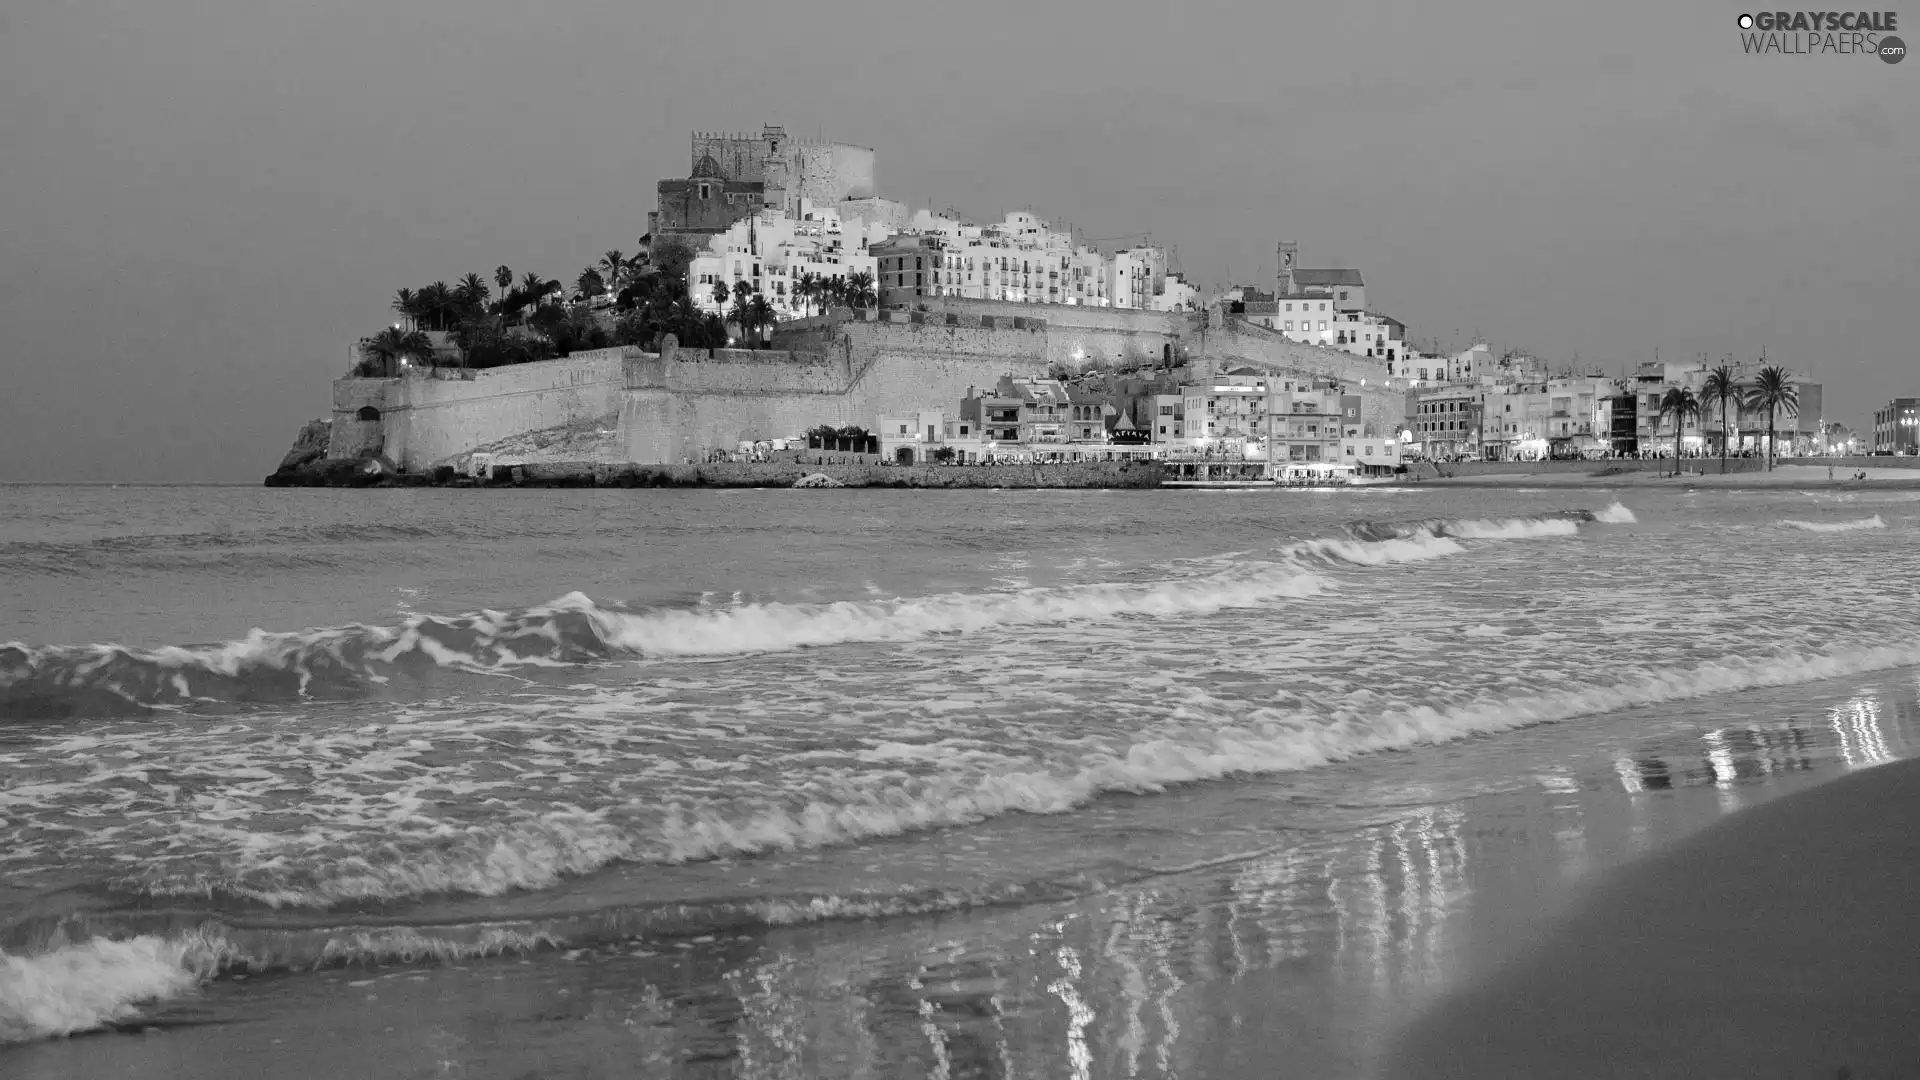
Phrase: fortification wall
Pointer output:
(685, 402)
(1077, 335)
(350, 436)
(428, 421)
(1084, 474)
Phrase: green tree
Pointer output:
(720, 293)
(407, 303)
(807, 290)
(381, 354)
(472, 292)
(1773, 391)
(613, 269)
(1679, 403)
(589, 284)
(1720, 392)
(763, 316)
(859, 291)
(672, 255)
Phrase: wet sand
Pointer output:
(1777, 943)
(1698, 475)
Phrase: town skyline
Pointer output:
(199, 238)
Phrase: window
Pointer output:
(1323, 324)
(704, 191)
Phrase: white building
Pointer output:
(1024, 260)
(774, 252)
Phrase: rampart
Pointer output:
(1076, 335)
(849, 368)
(1083, 474)
(426, 418)
(684, 402)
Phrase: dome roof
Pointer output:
(706, 167)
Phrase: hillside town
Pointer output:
(769, 238)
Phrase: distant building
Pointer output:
(1896, 426)
(775, 254)
(732, 176)
(906, 268)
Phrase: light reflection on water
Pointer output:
(1308, 955)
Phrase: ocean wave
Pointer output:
(1212, 741)
(1556, 523)
(98, 983)
(107, 969)
(1857, 525)
(269, 668)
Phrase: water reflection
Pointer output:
(1293, 963)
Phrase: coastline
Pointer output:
(1788, 477)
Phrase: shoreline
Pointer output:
(1316, 955)
(1064, 476)
(1766, 945)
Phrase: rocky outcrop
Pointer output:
(309, 451)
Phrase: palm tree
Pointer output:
(613, 269)
(762, 313)
(390, 346)
(472, 293)
(720, 293)
(1720, 392)
(860, 289)
(806, 289)
(1679, 403)
(503, 277)
(589, 284)
(537, 288)
(1773, 391)
(436, 302)
(407, 303)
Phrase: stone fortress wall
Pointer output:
(848, 368)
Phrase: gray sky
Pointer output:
(203, 203)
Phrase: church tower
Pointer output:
(1286, 256)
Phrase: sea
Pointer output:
(973, 783)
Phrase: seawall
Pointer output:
(1091, 474)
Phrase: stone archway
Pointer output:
(903, 456)
(368, 413)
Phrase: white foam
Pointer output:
(1615, 514)
(1873, 522)
(1514, 529)
(777, 627)
(1205, 738)
(94, 984)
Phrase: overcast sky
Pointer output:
(203, 203)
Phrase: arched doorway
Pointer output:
(368, 412)
(903, 456)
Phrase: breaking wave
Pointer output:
(1212, 744)
(344, 662)
(1873, 522)
(100, 968)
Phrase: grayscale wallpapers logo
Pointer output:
(1823, 33)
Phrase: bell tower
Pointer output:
(1286, 254)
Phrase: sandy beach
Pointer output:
(1776, 943)
(1700, 475)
